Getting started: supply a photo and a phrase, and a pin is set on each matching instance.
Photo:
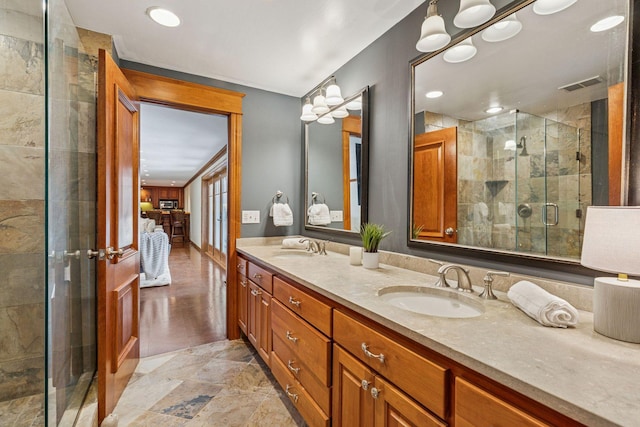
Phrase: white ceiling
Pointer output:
(285, 46)
(175, 144)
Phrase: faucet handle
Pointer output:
(488, 282)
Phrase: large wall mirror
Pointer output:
(517, 132)
(336, 179)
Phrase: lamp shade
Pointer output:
(327, 119)
(334, 97)
(463, 51)
(307, 114)
(503, 30)
(547, 7)
(433, 35)
(612, 239)
(355, 104)
(473, 13)
(340, 113)
(319, 105)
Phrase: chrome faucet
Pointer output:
(315, 246)
(464, 281)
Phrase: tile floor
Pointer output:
(218, 384)
(23, 412)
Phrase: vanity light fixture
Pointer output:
(307, 114)
(502, 30)
(473, 13)
(327, 119)
(607, 23)
(163, 16)
(355, 105)
(493, 110)
(463, 51)
(433, 35)
(340, 113)
(319, 104)
(548, 7)
(434, 94)
(334, 97)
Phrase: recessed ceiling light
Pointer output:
(493, 110)
(607, 23)
(163, 16)
(434, 94)
(146, 174)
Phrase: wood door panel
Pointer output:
(243, 303)
(352, 403)
(435, 185)
(395, 409)
(264, 336)
(125, 131)
(125, 317)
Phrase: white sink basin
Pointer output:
(432, 301)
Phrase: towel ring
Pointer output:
(278, 196)
(314, 198)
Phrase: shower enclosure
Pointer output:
(526, 183)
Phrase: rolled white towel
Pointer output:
(293, 243)
(540, 305)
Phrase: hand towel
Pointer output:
(319, 214)
(540, 305)
(293, 243)
(282, 215)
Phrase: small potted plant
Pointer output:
(372, 235)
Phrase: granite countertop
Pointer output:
(588, 377)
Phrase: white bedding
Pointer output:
(154, 259)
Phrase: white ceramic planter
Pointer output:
(370, 259)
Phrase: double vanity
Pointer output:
(352, 346)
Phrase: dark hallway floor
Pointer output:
(189, 312)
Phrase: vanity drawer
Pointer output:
(310, 346)
(241, 266)
(260, 277)
(310, 411)
(301, 372)
(300, 302)
(422, 379)
(476, 407)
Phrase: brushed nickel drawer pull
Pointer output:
(293, 301)
(291, 368)
(293, 396)
(239, 266)
(257, 276)
(365, 385)
(255, 292)
(243, 283)
(291, 337)
(365, 349)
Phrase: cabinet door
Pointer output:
(253, 323)
(394, 408)
(243, 303)
(353, 405)
(264, 327)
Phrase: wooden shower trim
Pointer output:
(196, 97)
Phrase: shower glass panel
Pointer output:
(519, 181)
(71, 228)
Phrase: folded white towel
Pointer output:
(319, 214)
(540, 305)
(282, 215)
(293, 243)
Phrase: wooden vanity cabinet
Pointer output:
(259, 309)
(361, 397)
(476, 407)
(242, 294)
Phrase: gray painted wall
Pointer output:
(384, 65)
(271, 149)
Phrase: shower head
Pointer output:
(523, 144)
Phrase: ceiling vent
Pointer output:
(583, 83)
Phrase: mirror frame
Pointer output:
(364, 167)
(631, 130)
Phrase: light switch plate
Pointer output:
(251, 217)
(336, 216)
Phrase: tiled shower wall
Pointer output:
(22, 195)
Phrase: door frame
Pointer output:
(185, 95)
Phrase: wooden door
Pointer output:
(395, 408)
(253, 318)
(264, 327)
(243, 301)
(118, 282)
(352, 382)
(435, 188)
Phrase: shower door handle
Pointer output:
(545, 217)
